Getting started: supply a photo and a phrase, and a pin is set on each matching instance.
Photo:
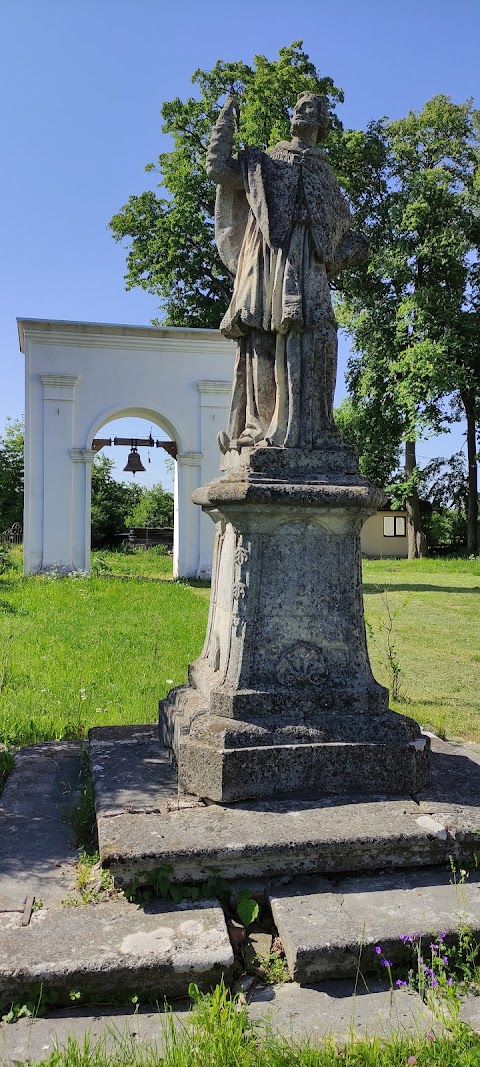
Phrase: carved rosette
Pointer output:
(301, 664)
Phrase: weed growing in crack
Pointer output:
(81, 815)
(383, 638)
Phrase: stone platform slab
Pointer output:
(37, 853)
(331, 929)
(115, 951)
(140, 829)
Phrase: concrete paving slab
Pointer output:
(116, 950)
(312, 1013)
(338, 1010)
(37, 853)
(470, 1013)
(327, 928)
(33, 1040)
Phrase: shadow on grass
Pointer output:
(192, 583)
(415, 587)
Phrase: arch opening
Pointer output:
(142, 511)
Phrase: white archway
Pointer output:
(80, 376)
(157, 417)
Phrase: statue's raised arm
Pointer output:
(222, 167)
(283, 228)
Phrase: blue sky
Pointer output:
(82, 83)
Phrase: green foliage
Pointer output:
(363, 424)
(7, 763)
(158, 883)
(444, 482)
(154, 509)
(18, 1011)
(117, 505)
(172, 252)
(5, 558)
(412, 312)
(247, 908)
(112, 502)
(220, 1033)
(11, 473)
(382, 634)
(274, 969)
(93, 882)
(80, 814)
(445, 529)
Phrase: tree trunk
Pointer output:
(468, 401)
(416, 541)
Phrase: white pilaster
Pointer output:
(58, 430)
(187, 516)
(81, 506)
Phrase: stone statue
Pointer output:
(283, 229)
(282, 700)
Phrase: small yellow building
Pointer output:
(385, 535)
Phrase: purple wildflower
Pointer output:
(430, 1036)
(400, 982)
(441, 937)
(378, 950)
(445, 960)
(387, 963)
(411, 1060)
(405, 938)
(434, 948)
(449, 981)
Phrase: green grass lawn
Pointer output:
(81, 652)
(437, 635)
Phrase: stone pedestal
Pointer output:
(282, 701)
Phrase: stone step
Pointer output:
(144, 822)
(332, 929)
(113, 951)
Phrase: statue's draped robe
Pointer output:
(281, 236)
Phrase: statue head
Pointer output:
(310, 110)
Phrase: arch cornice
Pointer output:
(149, 414)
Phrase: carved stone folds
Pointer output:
(282, 701)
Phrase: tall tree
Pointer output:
(172, 252)
(363, 424)
(154, 509)
(412, 184)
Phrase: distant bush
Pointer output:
(446, 530)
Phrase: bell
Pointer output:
(134, 463)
